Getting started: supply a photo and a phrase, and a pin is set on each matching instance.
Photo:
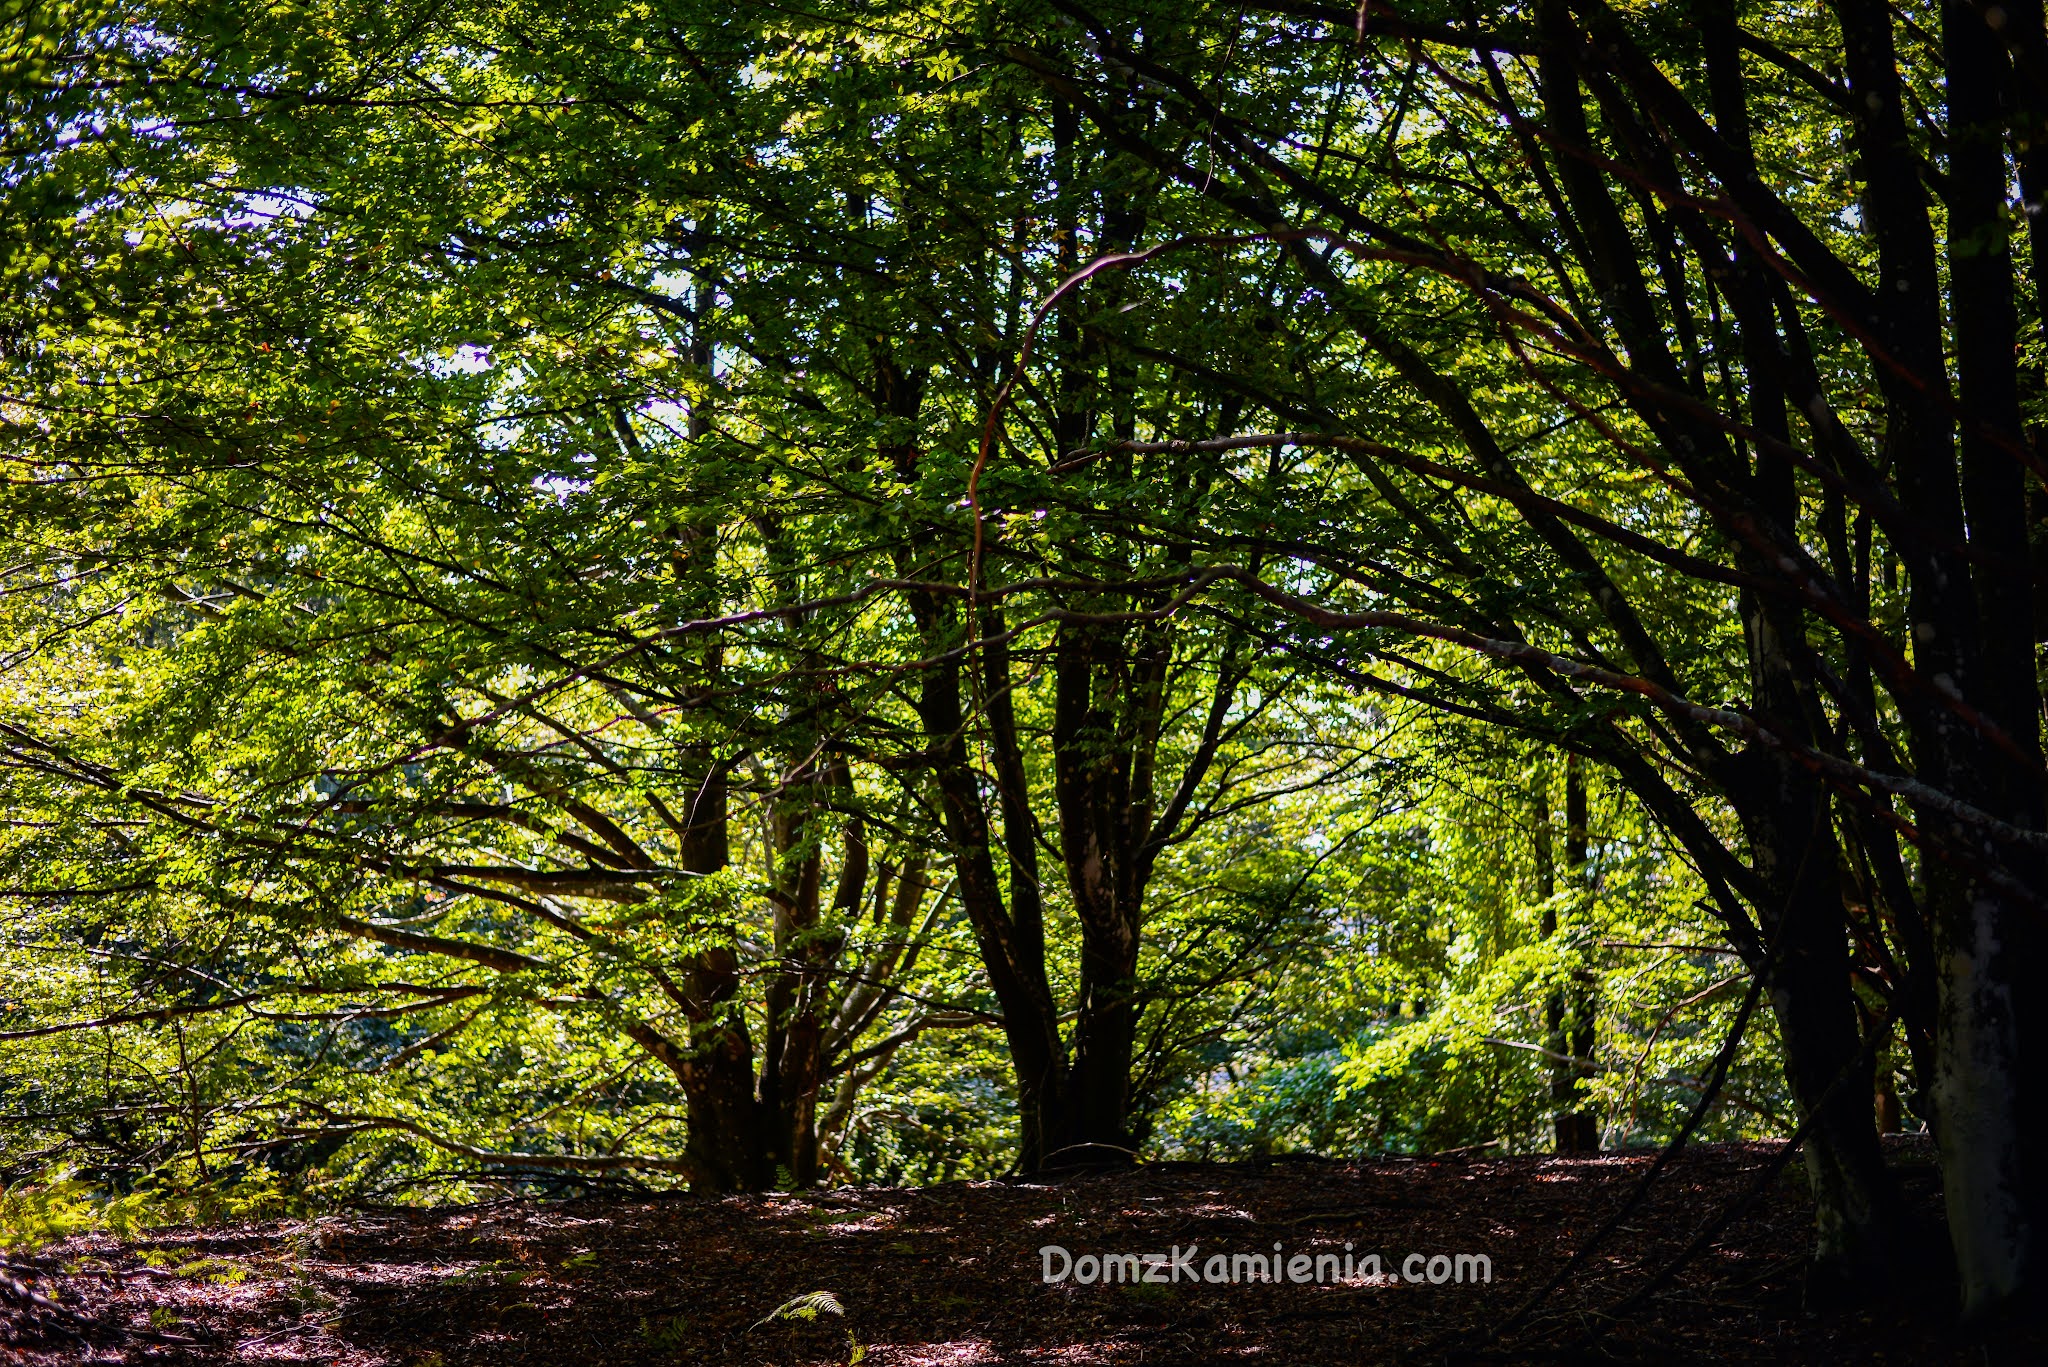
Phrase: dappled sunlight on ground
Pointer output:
(952, 1275)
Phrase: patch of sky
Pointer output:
(146, 38)
(262, 206)
(466, 359)
(674, 416)
(779, 152)
(562, 487)
(470, 359)
(671, 284)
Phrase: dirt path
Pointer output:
(953, 1275)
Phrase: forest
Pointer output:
(678, 607)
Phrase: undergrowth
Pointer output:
(36, 1213)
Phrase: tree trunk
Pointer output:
(1012, 948)
(1857, 1216)
(1989, 1037)
(1092, 778)
(1877, 1030)
(718, 1078)
(793, 1062)
(1980, 1095)
(1567, 1008)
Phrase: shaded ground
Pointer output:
(952, 1275)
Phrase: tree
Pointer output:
(1568, 1011)
(992, 422)
(1532, 207)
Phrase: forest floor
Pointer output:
(952, 1274)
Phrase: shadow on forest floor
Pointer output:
(952, 1275)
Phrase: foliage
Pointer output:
(32, 1214)
(460, 457)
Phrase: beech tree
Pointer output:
(551, 491)
(1811, 343)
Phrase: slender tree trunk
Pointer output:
(1578, 1129)
(1043, 1073)
(1884, 1092)
(1567, 1008)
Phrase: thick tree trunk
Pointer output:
(1989, 1037)
(1979, 1088)
(1784, 811)
(1857, 1215)
(1092, 779)
(793, 1058)
(718, 1078)
(1012, 947)
(1104, 1035)
(1109, 707)
(717, 1068)
(724, 1145)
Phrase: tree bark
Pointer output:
(1567, 1008)
(1989, 1036)
(718, 1082)
(1012, 951)
(1092, 780)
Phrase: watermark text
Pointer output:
(1178, 1264)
